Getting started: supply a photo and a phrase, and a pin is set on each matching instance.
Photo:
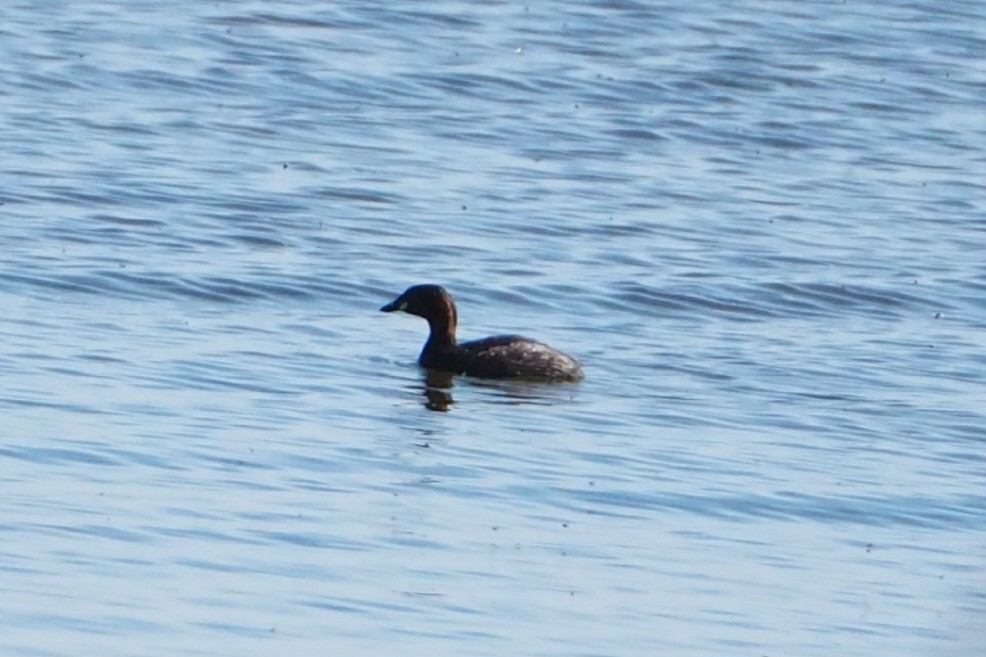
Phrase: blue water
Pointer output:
(760, 226)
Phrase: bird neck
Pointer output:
(443, 324)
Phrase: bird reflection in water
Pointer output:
(436, 387)
(438, 390)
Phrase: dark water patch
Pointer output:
(214, 289)
(733, 81)
(310, 540)
(129, 222)
(122, 128)
(13, 282)
(771, 299)
(250, 131)
(229, 464)
(920, 512)
(24, 402)
(142, 457)
(277, 20)
(249, 208)
(259, 241)
(217, 376)
(477, 86)
(60, 455)
(975, 433)
(830, 298)
(33, 81)
(651, 298)
(439, 18)
(636, 134)
(360, 195)
(105, 531)
(233, 629)
(784, 142)
(125, 283)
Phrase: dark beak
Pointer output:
(390, 307)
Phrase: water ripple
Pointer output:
(760, 231)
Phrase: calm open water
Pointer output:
(760, 225)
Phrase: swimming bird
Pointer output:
(496, 357)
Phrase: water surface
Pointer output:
(759, 226)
